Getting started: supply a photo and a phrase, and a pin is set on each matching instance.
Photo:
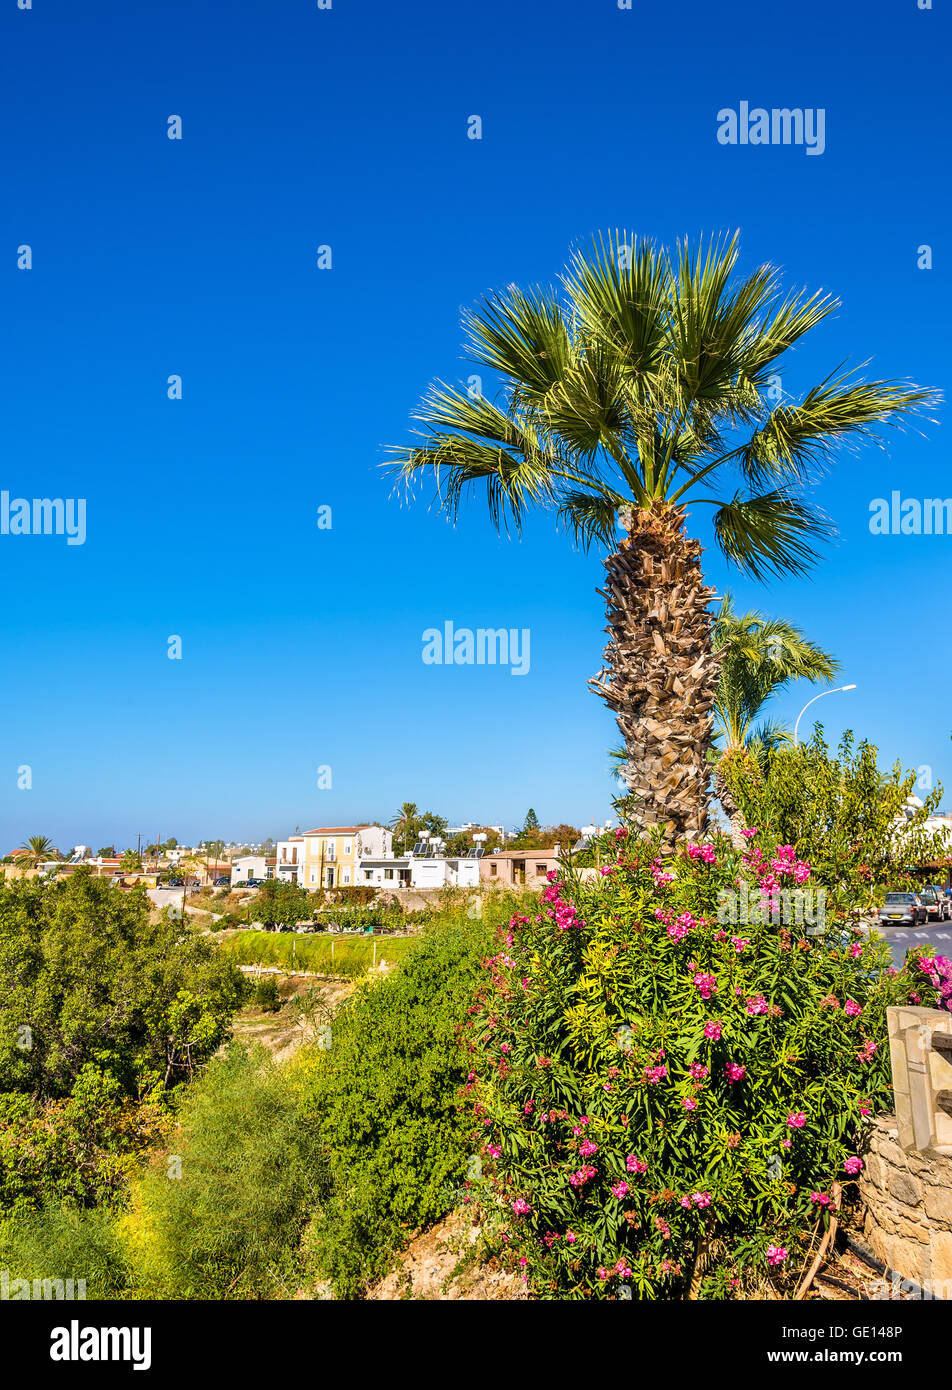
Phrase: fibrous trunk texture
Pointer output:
(660, 673)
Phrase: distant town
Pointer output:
(415, 850)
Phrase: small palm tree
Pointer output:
(130, 862)
(759, 656)
(403, 822)
(647, 380)
(38, 849)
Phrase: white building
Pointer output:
(248, 866)
(289, 859)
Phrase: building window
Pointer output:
(493, 870)
(369, 875)
(347, 847)
(345, 877)
(313, 875)
(541, 870)
(388, 873)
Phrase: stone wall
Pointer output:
(908, 1199)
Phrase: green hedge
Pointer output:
(324, 955)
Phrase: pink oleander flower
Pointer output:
(587, 1148)
(796, 1119)
(706, 984)
(584, 1175)
(521, 1207)
(855, 950)
(734, 1072)
(571, 1237)
(605, 870)
(655, 1074)
(821, 1199)
(689, 1104)
(757, 1005)
(504, 1047)
(620, 1189)
(493, 1150)
(749, 834)
(698, 1070)
(853, 1165)
(852, 1008)
(785, 1143)
(739, 943)
(635, 1165)
(662, 1226)
(776, 1254)
(701, 1199)
(712, 1030)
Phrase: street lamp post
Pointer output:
(834, 691)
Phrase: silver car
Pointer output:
(934, 905)
(901, 909)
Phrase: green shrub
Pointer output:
(67, 1243)
(266, 994)
(666, 1096)
(80, 1151)
(384, 1094)
(224, 1211)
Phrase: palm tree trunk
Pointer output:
(731, 809)
(660, 673)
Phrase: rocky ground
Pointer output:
(446, 1262)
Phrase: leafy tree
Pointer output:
(843, 815)
(107, 852)
(463, 843)
(88, 977)
(130, 862)
(281, 904)
(647, 381)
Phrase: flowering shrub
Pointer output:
(938, 977)
(664, 1099)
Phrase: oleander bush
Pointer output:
(672, 1068)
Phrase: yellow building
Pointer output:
(331, 853)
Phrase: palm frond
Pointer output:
(772, 533)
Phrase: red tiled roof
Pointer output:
(336, 830)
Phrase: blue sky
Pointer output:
(302, 647)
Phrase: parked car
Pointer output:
(176, 883)
(934, 905)
(901, 909)
(222, 882)
(945, 900)
(250, 883)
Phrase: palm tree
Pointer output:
(38, 849)
(758, 657)
(130, 862)
(403, 822)
(646, 380)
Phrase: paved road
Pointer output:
(902, 939)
